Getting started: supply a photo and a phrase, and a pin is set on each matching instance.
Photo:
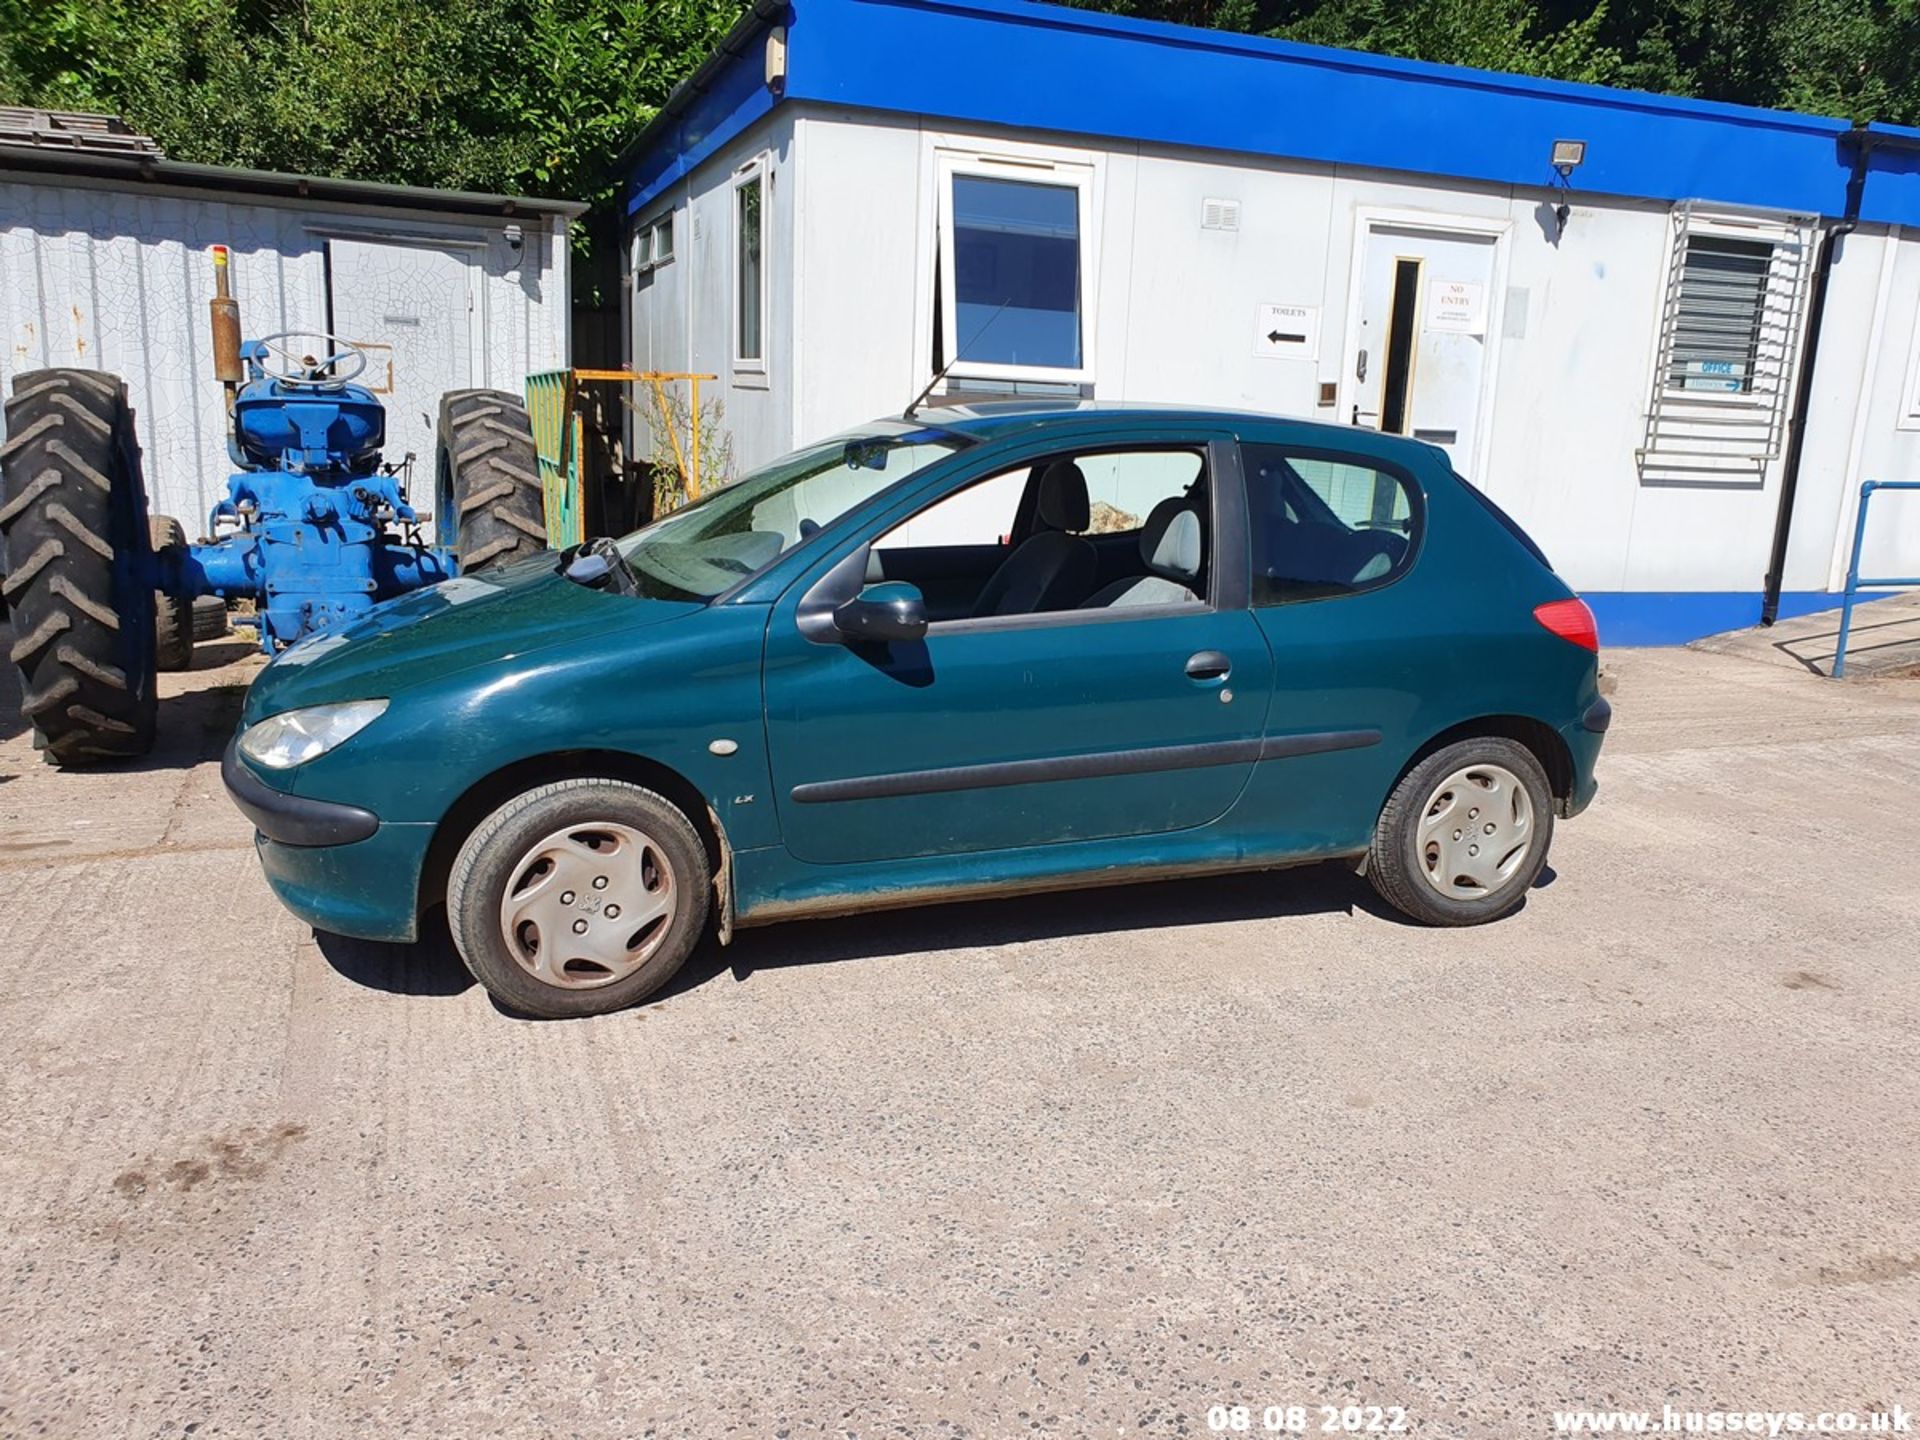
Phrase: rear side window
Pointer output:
(1325, 525)
(1506, 521)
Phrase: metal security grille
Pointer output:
(1729, 334)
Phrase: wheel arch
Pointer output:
(491, 791)
(1545, 743)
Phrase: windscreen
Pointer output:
(736, 532)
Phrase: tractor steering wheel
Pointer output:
(304, 371)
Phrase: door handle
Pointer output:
(1208, 665)
(1360, 366)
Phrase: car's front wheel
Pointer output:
(1464, 834)
(579, 897)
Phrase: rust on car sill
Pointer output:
(828, 906)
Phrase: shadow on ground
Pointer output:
(196, 717)
(430, 966)
(427, 966)
(1884, 641)
(1865, 648)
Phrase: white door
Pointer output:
(411, 307)
(1418, 360)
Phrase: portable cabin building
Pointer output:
(105, 264)
(1599, 303)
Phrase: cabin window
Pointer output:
(1720, 315)
(750, 269)
(652, 244)
(1014, 268)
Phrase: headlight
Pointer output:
(294, 737)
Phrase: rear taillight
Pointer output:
(1572, 621)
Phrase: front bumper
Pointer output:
(337, 867)
(291, 819)
(369, 890)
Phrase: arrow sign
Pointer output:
(1287, 332)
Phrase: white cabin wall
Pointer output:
(1874, 423)
(857, 291)
(1191, 294)
(682, 312)
(1574, 329)
(1578, 331)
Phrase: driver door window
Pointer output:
(1077, 532)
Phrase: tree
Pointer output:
(526, 96)
(1859, 59)
(540, 96)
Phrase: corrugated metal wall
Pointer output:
(118, 280)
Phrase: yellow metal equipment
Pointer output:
(559, 437)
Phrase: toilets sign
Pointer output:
(1287, 332)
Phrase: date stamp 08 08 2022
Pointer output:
(1307, 1419)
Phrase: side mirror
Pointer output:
(892, 610)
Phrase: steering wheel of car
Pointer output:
(301, 369)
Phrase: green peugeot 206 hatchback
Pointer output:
(973, 652)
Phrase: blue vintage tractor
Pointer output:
(315, 528)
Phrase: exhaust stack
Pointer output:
(226, 327)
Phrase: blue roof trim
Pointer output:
(1043, 67)
(704, 122)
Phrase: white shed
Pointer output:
(105, 264)
(1599, 304)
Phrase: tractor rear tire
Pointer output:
(172, 615)
(488, 499)
(73, 513)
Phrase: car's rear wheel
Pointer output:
(579, 897)
(1464, 834)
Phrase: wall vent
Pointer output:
(1219, 214)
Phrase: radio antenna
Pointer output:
(941, 374)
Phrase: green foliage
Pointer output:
(1855, 58)
(1508, 35)
(540, 96)
(525, 96)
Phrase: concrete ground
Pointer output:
(1884, 640)
(1068, 1166)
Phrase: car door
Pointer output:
(1013, 731)
(1360, 638)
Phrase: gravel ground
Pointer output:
(1066, 1166)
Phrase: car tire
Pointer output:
(173, 632)
(489, 503)
(557, 941)
(73, 516)
(1464, 834)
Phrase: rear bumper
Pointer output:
(1584, 739)
(337, 867)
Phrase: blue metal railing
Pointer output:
(1855, 580)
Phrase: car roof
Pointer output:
(1002, 419)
